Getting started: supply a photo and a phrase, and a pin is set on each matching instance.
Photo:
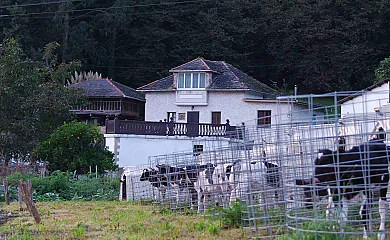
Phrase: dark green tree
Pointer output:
(383, 70)
(318, 45)
(32, 101)
(75, 146)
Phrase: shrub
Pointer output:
(62, 186)
(231, 216)
(75, 146)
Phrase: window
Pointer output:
(216, 118)
(182, 117)
(191, 80)
(264, 118)
(171, 115)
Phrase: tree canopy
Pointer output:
(75, 146)
(33, 102)
(319, 45)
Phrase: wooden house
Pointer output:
(109, 99)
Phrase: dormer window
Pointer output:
(191, 80)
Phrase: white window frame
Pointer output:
(191, 80)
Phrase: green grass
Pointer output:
(108, 220)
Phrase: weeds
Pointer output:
(79, 231)
(214, 229)
(62, 186)
(231, 216)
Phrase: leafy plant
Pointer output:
(79, 231)
(383, 70)
(62, 186)
(231, 216)
(76, 146)
(214, 229)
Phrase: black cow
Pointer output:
(352, 172)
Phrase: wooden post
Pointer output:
(116, 124)
(106, 124)
(6, 192)
(20, 195)
(28, 199)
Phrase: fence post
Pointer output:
(20, 195)
(106, 123)
(28, 199)
(6, 192)
(116, 124)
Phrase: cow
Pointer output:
(159, 182)
(343, 175)
(198, 179)
(259, 180)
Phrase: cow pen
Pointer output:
(306, 178)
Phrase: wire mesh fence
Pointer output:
(336, 175)
(313, 171)
(132, 188)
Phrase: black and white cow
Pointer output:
(159, 182)
(343, 175)
(193, 177)
(198, 176)
(211, 183)
(268, 176)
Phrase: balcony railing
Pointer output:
(167, 128)
(107, 107)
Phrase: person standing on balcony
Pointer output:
(171, 125)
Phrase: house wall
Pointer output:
(133, 150)
(231, 105)
(367, 102)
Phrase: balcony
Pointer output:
(117, 126)
(108, 107)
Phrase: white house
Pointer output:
(204, 91)
(372, 100)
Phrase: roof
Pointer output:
(352, 96)
(225, 77)
(107, 88)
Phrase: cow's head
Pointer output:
(324, 175)
(310, 190)
(147, 174)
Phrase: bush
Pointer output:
(76, 146)
(231, 216)
(62, 186)
(89, 189)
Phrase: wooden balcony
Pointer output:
(167, 129)
(108, 107)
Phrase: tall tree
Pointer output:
(318, 45)
(32, 101)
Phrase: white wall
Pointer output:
(231, 105)
(133, 150)
(367, 102)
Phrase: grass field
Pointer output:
(108, 220)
